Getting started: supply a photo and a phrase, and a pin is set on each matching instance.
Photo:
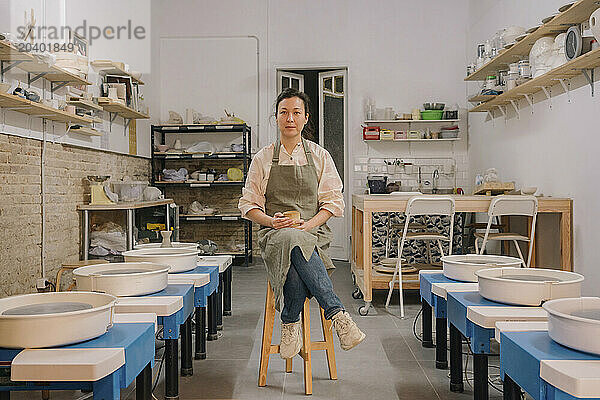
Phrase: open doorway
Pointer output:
(327, 90)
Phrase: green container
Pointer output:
(432, 114)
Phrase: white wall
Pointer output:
(397, 54)
(554, 148)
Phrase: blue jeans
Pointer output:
(303, 279)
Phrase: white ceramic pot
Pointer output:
(122, 279)
(180, 260)
(51, 329)
(595, 24)
(528, 286)
(462, 267)
(575, 322)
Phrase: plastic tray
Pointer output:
(44, 320)
(122, 279)
(575, 323)
(527, 286)
(462, 267)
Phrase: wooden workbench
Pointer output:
(363, 207)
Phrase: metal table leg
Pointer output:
(441, 343)
(227, 291)
(86, 236)
(187, 368)
(510, 390)
(143, 384)
(168, 217)
(220, 302)
(171, 375)
(426, 324)
(456, 369)
(129, 229)
(212, 317)
(200, 344)
(480, 376)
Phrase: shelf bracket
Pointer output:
(30, 80)
(489, 115)
(529, 98)
(126, 121)
(502, 110)
(566, 85)
(9, 65)
(516, 107)
(589, 77)
(54, 86)
(547, 92)
(111, 119)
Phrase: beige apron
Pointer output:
(291, 187)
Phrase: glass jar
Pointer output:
(524, 69)
(490, 82)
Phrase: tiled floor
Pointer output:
(389, 364)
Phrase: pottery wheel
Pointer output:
(589, 314)
(122, 271)
(48, 308)
(535, 278)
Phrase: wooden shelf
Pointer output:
(88, 105)
(415, 140)
(29, 63)
(482, 98)
(86, 131)
(124, 205)
(409, 121)
(24, 106)
(578, 12)
(192, 217)
(568, 70)
(113, 68)
(116, 107)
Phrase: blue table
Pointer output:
(171, 332)
(457, 303)
(520, 357)
(137, 340)
(204, 296)
(429, 300)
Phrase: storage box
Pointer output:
(413, 135)
(400, 135)
(386, 134)
(370, 133)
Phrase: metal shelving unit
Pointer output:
(160, 159)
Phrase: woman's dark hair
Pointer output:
(308, 131)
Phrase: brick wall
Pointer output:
(66, 187)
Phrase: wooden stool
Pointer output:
(307, 345)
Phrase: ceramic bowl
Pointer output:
(162, 147)
(528, 190)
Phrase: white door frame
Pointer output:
(273, 132)
(281, 73)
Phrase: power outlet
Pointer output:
(41, 284)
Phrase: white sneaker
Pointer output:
(291, 342)
(347, 330)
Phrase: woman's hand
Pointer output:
(304, 225)
(280, 222)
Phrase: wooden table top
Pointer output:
(125, 205)
(472, 203)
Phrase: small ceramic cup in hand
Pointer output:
(293, 215)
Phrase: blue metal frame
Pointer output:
(520, 357)
(171, 323)
(201, 293)
(137, 340)
(457, 303)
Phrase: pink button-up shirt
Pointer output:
(330, 195)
